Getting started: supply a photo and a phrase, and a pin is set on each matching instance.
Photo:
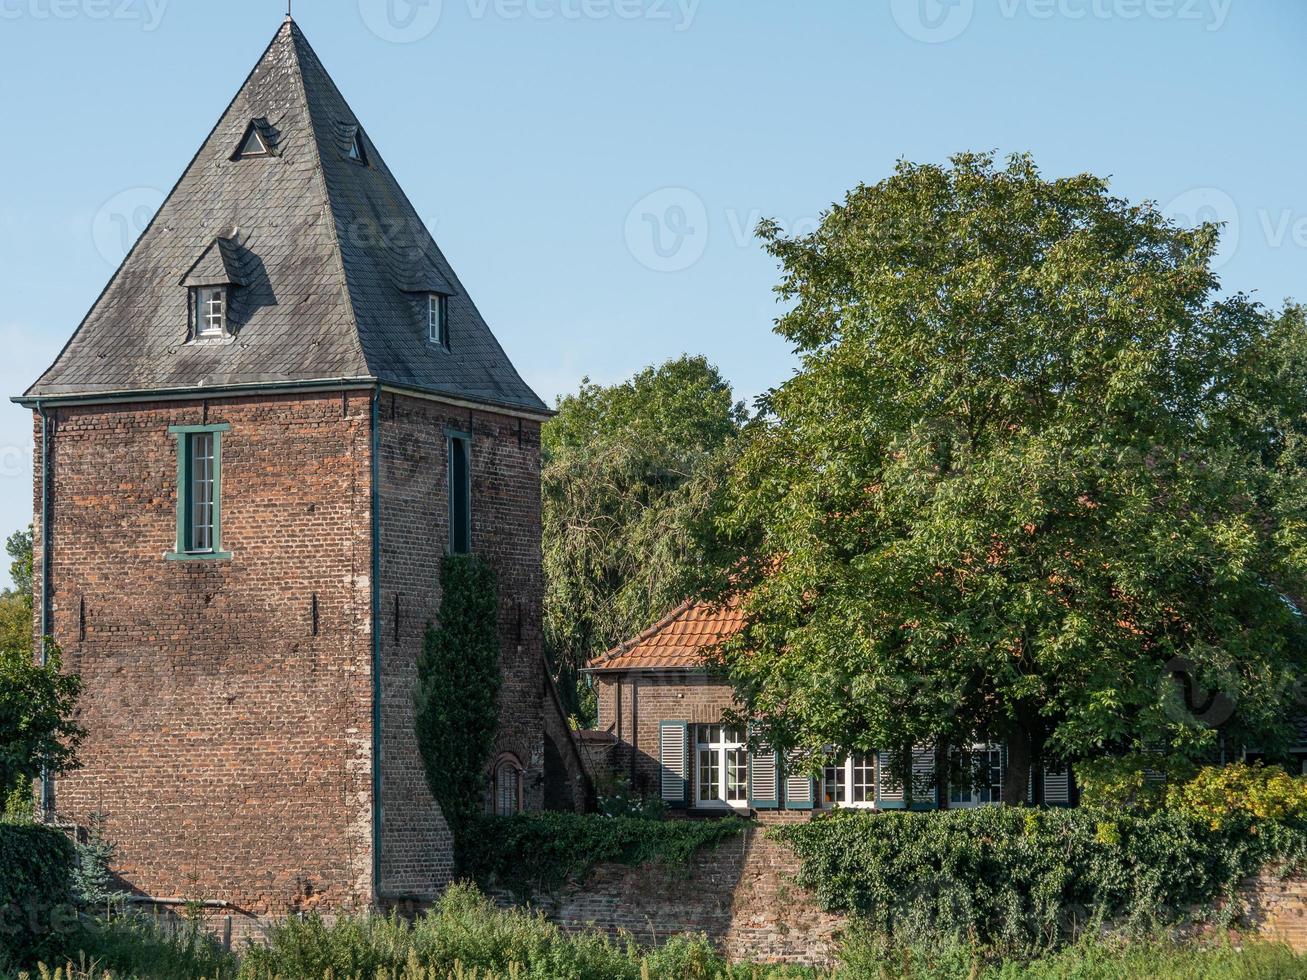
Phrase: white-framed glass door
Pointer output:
(977, 777)
(721, 767)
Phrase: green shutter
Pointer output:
(1057, 785)
(800, 790)
(764, 779)
(674, 761)
(889, 792)
(924, 790)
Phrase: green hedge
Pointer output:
(36, 904)
(545, 850)
(1021, 880)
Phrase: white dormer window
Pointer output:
(438, 320)
(211, 311)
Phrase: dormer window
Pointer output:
(356, 151)
(253, 145)
(210, 311)
(258, 140)
(438, 319)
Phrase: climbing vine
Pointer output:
(456, 711)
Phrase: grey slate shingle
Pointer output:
(332, 257)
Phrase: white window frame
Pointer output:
(845, 773)
(720, 752)
(969, 795)
(210, 312)
(438, 320)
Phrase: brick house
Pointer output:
(661, 711)
(252, 454)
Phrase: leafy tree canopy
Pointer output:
(628, 472)
(1035, 480)
(16, 627)
(37, 730)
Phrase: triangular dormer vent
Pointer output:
(257, 141)
(356, 149)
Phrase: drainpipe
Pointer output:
(376, 648)
(46, 616)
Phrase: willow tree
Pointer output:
(629, 474)
(1027, 484)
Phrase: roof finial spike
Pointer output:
(288, 16)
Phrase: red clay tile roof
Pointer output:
(678, 641)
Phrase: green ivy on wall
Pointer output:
(455, 700)
(1023, 880)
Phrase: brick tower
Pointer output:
(254, 451)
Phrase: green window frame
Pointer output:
(459, 457)
(199, 492)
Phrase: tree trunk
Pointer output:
(1017, 775)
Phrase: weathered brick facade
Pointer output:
(230, 747)
(415, 854)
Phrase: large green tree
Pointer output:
(16, 628)
(629, 471)
(1035, 481)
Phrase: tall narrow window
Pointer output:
(199, 492)
(210, 311)
(460, 494)
(438, 320)
(508, 787)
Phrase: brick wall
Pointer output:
(742, 894)
(416, 860)
(229, 748)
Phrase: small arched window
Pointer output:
(508, 786)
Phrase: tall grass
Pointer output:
(466, 937)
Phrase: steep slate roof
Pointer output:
(678, 641)
(333, 259)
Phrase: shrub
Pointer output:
(132, 947)
(36, 909)
(1022, 881)
(530, 850)
(1239, 792)
(466, 935)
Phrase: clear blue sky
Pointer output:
(593, 168)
